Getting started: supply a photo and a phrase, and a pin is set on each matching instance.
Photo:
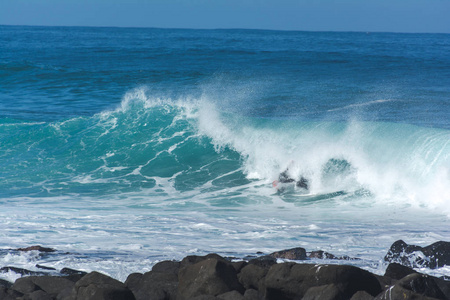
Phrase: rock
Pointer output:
(66, 294)
(25, 285)
(21, 271)
(444, 286)
(9, 294)
(208, 277)
(160, 283)
(45, 268)
(361, 295)
(251, 294)
(133, 281)
(385, 281)
(96, 286)
(252, 276)
(433, 256)
(68, 271)
(325, 255)
(153, 285)
(321, 255)
(233, 295)
(323, 292)
(5, 284)
(398, 271)
(239, 265)
(413, 286)
(422, 284)
(292, 254)
(193, 259)
(291, 281)
(263, 261)
(71, 274)
(52, 285)
(167, 266)
(37, 248)
(38, 295)
(439, 254)
(204, 297)
(74, 277)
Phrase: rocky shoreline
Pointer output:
(270, 277)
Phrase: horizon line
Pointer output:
(223, 28)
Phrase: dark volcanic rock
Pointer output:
(292, 281)
(208, 277)
(233, 295)
(25, 285)
(214, 277)
(323, 292)
(21, 271)
(252, 276)
(321, 255)
(9, 294)
(133, 281)
(51, 285)
(433, 256)
(193, 259)
(325, 255)
(398, 271)
(263, 261)
(413, 286)
(361, 295)
(37, 248)
(38, 295)
(72, 275)
(444, 286)
(45, 268)
(239, 265)
(167, 266)
(68, 271)
(159, 284)
(205, 297)
(96, 286)
(251, 294)
(292, 254)
(5, 283)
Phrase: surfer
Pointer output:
(284, 177)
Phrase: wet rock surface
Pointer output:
(433, 256)
(265, 277)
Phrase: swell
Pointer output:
(161, 146)
(126, 150)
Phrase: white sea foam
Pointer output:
(394, 162)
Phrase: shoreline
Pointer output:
(277, 276)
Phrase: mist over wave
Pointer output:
(167, 147)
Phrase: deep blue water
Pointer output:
(179, 133)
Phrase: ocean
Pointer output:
(122, 147)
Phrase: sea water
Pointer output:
(122, 147)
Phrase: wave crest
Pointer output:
(160, 146)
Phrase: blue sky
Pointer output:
(316, 15)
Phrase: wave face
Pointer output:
(161, 146)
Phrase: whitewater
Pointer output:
(124, 147)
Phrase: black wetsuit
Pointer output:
(285, 178)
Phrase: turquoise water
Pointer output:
(127, 146)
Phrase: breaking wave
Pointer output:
(158, 146)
